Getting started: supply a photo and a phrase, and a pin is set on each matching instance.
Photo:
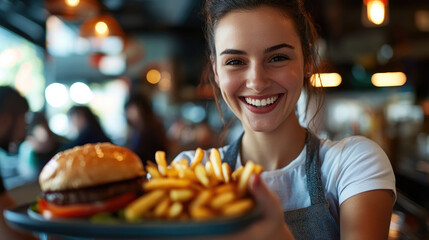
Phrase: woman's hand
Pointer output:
(271, 225)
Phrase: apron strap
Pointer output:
(312, 165)
(312, 169)
(232, 152)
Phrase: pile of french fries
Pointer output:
(193, 191)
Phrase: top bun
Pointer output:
(90, 165)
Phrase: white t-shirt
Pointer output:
(348, 167)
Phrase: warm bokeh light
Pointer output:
(326, 80)
(101, 29)
(56, 94)
(389, 79)
(80, 93)
(376, 11)
(100, 26)
(72, 3)
(421, 18)
(153, 76)
(165, 82)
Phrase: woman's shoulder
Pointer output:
(354, 156)
(351, 145)
(353, 153)
(356, 164)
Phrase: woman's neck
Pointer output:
(275, 149)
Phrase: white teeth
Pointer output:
(261, 102)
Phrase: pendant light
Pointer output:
(73, 10)
(375, 12)
(101, 26)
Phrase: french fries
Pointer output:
(143, 204)
(195, 191)
(162, 162)
(199, 155)
(244, 178)
(216, 163)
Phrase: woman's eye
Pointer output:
(279, 58)
(234, 62)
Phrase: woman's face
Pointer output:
(259, 66)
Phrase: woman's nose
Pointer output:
(257, 78)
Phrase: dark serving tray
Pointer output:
(22, 217)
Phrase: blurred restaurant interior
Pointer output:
(375, 56)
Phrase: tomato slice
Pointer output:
(49, 210)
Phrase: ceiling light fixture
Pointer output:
(375, 12)
(100, 27)
(73, 10)
(325, 80)
(389, 79)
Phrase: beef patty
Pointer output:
(95, 193)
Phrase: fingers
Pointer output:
(267, 200)
(272, 223)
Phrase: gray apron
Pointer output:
(314, 222)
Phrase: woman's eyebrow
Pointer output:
(267, 50)
(276, 47)
(233, 51)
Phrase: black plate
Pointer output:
(22, 217)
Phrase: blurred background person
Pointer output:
(13, 108)
(40, 146)
(146, 132)
(86, 127)
(188, 135)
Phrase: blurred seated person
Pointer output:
(189, 135)
(13, 108)
(85, 126)
(39, 147)
(146, 132)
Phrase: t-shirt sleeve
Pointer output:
(365, 167)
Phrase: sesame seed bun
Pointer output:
(90, 165)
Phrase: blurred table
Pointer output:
(14, 197)
(25, 194)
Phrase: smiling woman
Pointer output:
(259, 63)
(262, 56)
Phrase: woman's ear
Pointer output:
(216, 76)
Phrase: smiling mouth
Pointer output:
(261, 102)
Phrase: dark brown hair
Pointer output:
(214, 10)
(12, 102)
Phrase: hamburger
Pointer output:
(90, 179)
